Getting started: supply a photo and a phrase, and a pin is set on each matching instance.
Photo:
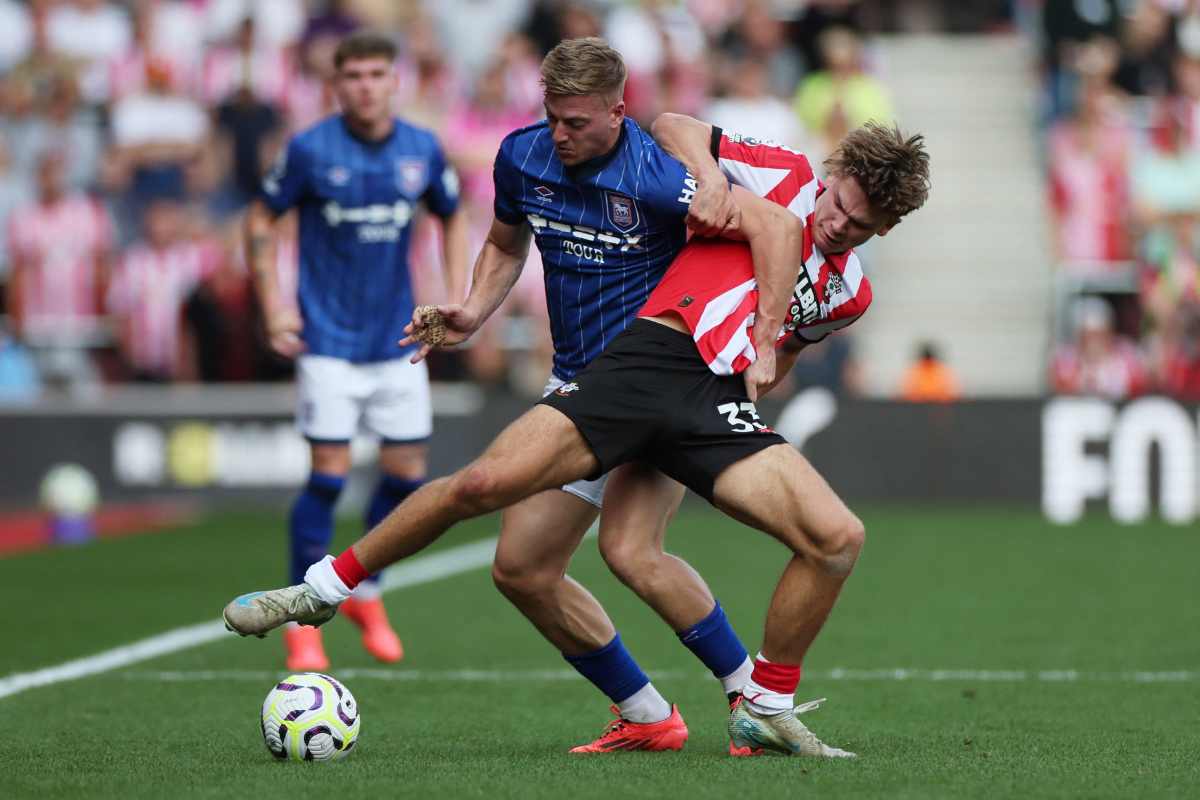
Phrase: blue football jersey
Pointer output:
(356, 201)
(607, 230)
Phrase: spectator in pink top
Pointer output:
(1089, 184)
(125, 73)
(1099, 363)
(265, 69)
(152, 281)
(60, 248)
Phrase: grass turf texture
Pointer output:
(935, 589)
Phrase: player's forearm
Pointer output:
(260, 255)
(785, 358)
(776, 245)
(455, 251)
(688, 141)
(496, 272)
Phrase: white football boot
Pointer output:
(750, 733)
(259, 612)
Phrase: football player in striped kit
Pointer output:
(625, 406)
(608, 209)
(356, 180)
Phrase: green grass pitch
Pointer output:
(935, 589)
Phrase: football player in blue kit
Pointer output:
(609, 211)
(357, 180)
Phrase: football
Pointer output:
(310, 717)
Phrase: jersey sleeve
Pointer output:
(507, 179)
(287, 179)
(845, 305)
(764, 167)
(441, 196)
(667, 187)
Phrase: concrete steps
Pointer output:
(970, 271)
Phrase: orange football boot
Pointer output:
(621, 734)
(377, 635)
(740, 751)
(306, 652)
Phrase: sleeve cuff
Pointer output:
(714, 145)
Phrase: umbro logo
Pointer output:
(543, 193)
(686, 301)
(338, 176)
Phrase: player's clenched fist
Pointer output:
(438, 326)
(283, 332)
(713, 210)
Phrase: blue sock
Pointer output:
(714, 642)
(611, 669)
(311, 524)
(390, 493)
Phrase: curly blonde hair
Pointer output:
(892, 169)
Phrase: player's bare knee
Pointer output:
(519, 583)
(631, 561)
(840, 551)
(477, 487)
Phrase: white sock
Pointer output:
(765, 701)
(324, 580)
(644, 705)
(367, 591)
(736, 680)
(762, 700)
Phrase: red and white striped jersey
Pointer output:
(148, 291)
(711, 286)
(60, 246)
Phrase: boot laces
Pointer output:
(811, 705)
(614, 725)
(289, 600)
(803, 731)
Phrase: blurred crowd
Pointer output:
(1122, 148)
(134, 132)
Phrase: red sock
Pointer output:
(778, 678)
(349, 569)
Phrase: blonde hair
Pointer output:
(893, 170)
(584, 66)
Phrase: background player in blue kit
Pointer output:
(609, 211)
(357, 180)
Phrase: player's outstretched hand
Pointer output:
(283, 331)
(459, 325)
(713, 210)
(760, 375)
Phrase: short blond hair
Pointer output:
(892, 169)
(584, 66)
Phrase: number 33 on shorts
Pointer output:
(732, 411)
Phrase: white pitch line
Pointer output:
(423, 569)
(470, 675)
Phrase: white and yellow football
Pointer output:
(310, 717)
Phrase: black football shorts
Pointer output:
(650, 396)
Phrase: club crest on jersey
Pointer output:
(832, 286)
(410, 176)
(622, 211)
(338, 176)
(567, 388)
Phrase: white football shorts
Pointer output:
(388, 400)
(592, 491)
